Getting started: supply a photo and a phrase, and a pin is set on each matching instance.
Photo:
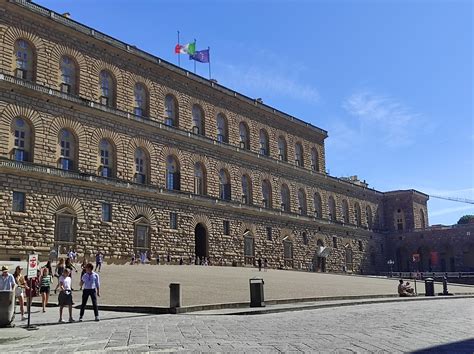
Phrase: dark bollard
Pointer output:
(429, 287)
(7, 308)
(256, 293)
(175, 296)
(445, 287)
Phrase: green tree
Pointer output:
(466, 219)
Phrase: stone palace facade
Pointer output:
(106, 147)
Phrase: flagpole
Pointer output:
(194, 60)
(209, 55)
(179, 60)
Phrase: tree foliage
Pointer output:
(466, 219)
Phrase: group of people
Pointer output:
(405, 289)
(43, 282)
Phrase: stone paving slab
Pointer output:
(403, 326)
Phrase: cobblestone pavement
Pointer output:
(392, 327)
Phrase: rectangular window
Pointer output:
(334, 242)
(226, 229)
(19, 201)
(269, 233)
(106, 212)
(173, 221)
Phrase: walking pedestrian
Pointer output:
(59, 271)
(259, 261)
(50, 269)
(65, 295)
(91, 287)
(19, 290)
(45, 287)
(83, 267)
(99, 258)
(265, 264)
(70, 266)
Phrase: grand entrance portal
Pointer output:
(201, 243)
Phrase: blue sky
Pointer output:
(391, 81)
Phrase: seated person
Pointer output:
(402, 292)
(409, 289)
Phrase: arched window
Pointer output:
(314, 160)
(171, 111)
(65, 227)
(222, 129)
(332, 209)
(224, 185)
(282, 149)
(299, 159)
(267, 194)
(345, 211)
(302, 202)
(107, 89)
(288, 252)
(173, 176)
(246, 190)
(25, 60)
(249, 247)
(422, 219)
(67, 150)
(368, 214)
(305, 238)
(349, 258)
(141, 166)
(318, 208)
(357, 215)
(107, 161)
(68, 75)
(198, 120)
(264, 143)
(140, 94)
(200, 184)
(141, 242)
(285, 198)
(244, 136)
(22, 140)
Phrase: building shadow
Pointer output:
(465, 346)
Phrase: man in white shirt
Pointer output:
(7, 281)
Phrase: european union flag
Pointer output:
(201, 56)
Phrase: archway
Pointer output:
(201, 242)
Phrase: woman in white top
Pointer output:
(65, 296)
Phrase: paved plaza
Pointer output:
(443, 325)
(148, 285)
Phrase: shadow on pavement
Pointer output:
(465, 346)
(24, 326)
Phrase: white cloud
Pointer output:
(384, 116)
(268, 81)
(450, 210)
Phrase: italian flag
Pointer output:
(189, 48)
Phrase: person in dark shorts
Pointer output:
(45, 287)
(65, 295)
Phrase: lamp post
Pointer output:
(390, 262)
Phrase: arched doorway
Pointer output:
(201, 242)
